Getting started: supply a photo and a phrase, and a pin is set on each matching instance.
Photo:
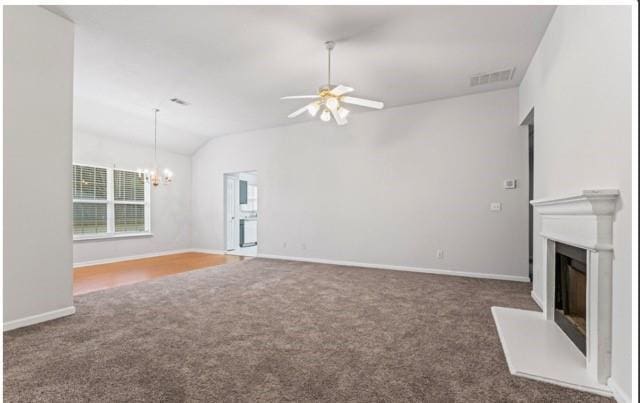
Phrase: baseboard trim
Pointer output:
(537, 299)
(212, 251)
(41, 317)
(618, 393)
(524, 279)
(141, 256)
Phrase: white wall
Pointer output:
(170, 205)
(389, 188)
(579, 83)
(38, 90)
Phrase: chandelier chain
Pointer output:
(155, 136)
(153, 175)
(329, 70)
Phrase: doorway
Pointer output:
(531, 129)
(241, 213)
(528, 121)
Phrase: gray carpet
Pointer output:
(269, 330)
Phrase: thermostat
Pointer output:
(510, 183)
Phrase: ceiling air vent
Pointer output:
(496, 76)
(179, 101)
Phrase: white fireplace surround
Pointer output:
(584, 220)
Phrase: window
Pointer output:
(109, 202)
(89, 200)
(129, 208)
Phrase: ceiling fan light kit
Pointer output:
(325, 116)
(330, 99)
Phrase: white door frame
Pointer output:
(230, 225)
(236, 250)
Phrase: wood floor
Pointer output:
(103, 276)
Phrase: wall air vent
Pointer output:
(494, 77)
(179, 101)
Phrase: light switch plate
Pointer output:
(495, 206)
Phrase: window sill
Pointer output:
(94, 237)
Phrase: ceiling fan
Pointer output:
(330, 99)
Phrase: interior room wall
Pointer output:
(38, 91)
(579, 84)
(391, 187)
(170, 204)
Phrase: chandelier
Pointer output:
(153, 175)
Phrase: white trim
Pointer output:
(588, 202)
(91, 201)
(145, 255)
(618, 393)
(584, 245)
(93, 237)
(41, 317)
(212, 251)
(132, 257)
(141, 203)
(111, 225)
(524, 279)
(537, 299)
(584, 220)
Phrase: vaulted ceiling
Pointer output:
(233, 63)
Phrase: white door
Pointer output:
(230, 220)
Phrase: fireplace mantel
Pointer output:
(588, 202)
(583, 220)
(534, 345)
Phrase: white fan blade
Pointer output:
(301, 110)
(339, 119)
(301, 97)
(340, 90)
(362, 102)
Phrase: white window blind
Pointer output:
(89, 200)
(129, 217)
(109, 202)
(89, 183)
(89, 218)
(129, 192)
(127, 186)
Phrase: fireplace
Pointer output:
(570, 311)
(573, 286)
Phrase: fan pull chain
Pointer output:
(329, 70)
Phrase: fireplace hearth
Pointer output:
(570, 311)
(573, 287)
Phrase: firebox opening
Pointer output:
(571, 293)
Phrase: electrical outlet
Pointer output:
(495, 206)
(440, 254)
